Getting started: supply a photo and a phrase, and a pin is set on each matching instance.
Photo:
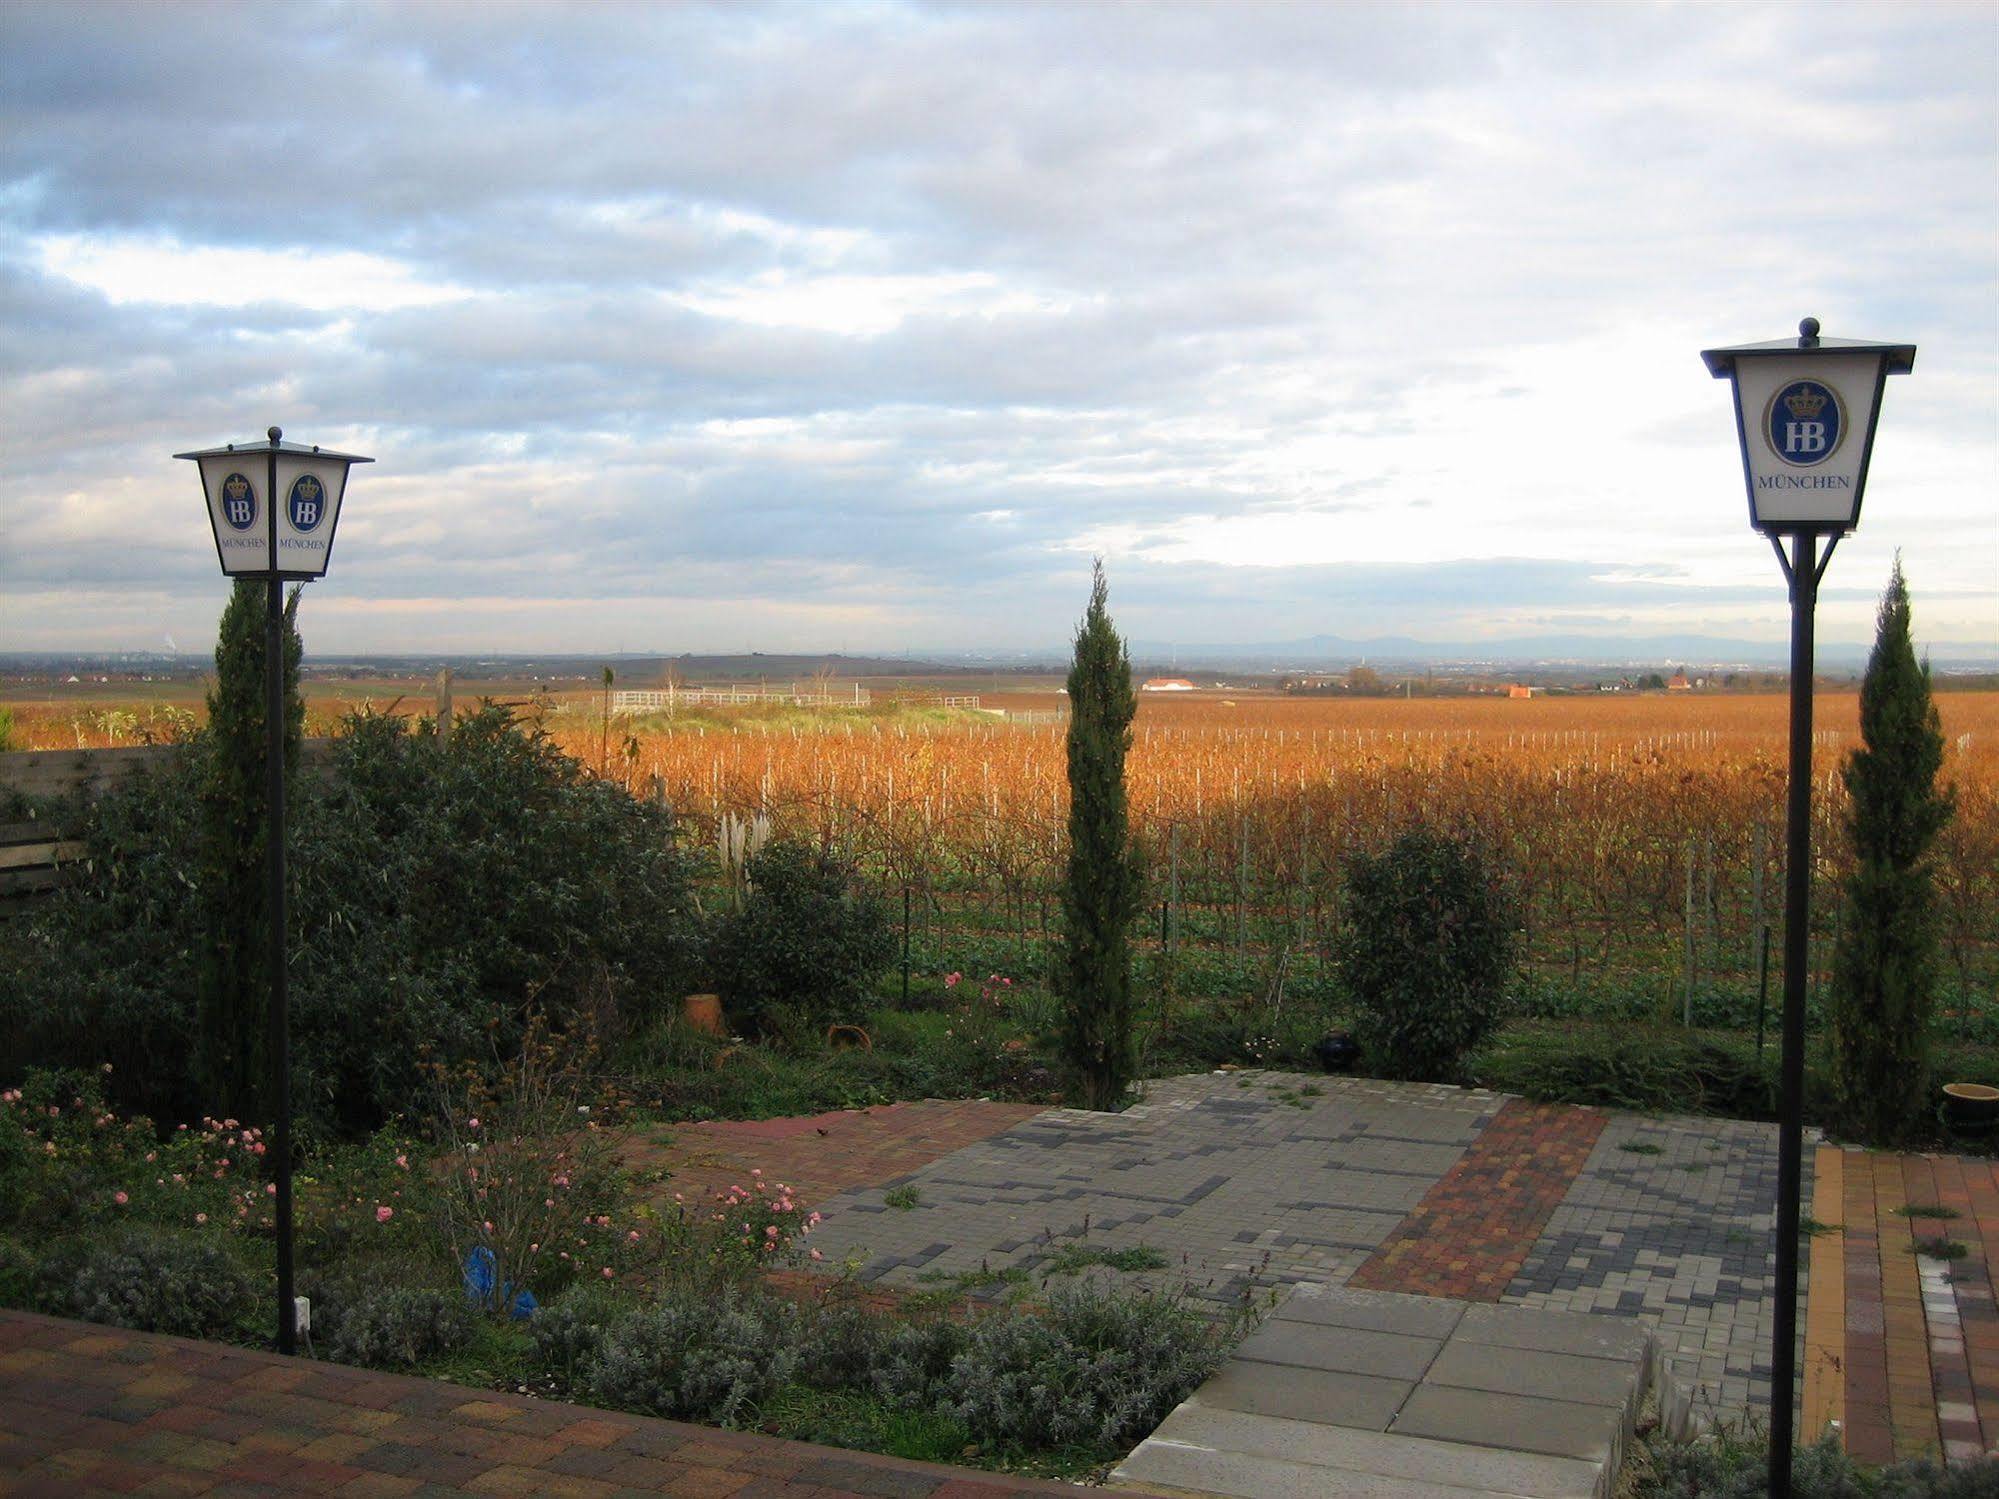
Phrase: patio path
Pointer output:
(1247, 1182)
(818, 1155)
(1902, 1349)
(92, 1410)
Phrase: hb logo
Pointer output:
(1804, 422)
(239, 502)
(308, 502)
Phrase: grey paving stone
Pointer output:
(1348, 1451)
(1550, 1376)
(1373, 1311)
(1519, 1423)
(1199, 1470)
(1347, 1350)
(1552, 1332)
(1366, 1402)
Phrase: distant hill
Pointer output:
(1706, 650)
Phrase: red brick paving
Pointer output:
(820, 1155)
(1474, 1229)
(88, 1410)
(1917, 1364)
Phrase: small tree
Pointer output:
(805, 945)
(1102, 886)
(1427, 952)
(1886, 962)
(234, 985)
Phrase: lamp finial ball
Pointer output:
(1808, 332)
(274, 434)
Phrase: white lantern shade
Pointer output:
(1805, 412)
(273, 500)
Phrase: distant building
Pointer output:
(1166, 684)
(1678, 683)
(1519, 690)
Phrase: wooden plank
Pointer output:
(67, 771)
(13, 834)
(26, 882)
(40, 855)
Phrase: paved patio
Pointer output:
(1902, 1348)
(1251, 1181)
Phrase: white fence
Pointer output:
(668, 698)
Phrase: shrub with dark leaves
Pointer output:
(404, 1327)
(193, 1288)
(702, 1358)
(1097, 1369)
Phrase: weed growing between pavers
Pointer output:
(902, 1199)
(1925, 1210)
(1073, 1259)
(1940, 1248)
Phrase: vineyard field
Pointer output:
(1645, 832)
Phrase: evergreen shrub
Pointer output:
(190, 1287)
(1427, 951)
(806, 945)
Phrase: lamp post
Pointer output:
(1804, 414)
(273, 507)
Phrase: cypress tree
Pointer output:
(234, 996)
(1102, 886)
(1885, 965)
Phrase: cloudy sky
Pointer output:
(865, 326)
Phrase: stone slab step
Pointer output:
(1372, 1393)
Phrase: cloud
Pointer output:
(724, 322)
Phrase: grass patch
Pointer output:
(1940, 1248)
(902, 1199)
(1925, 1210)
(976, 1280)
(1810, 1227)
(1641, 1147)
(1073, 1259)
(864, 1423)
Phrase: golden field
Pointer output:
(1642, 829)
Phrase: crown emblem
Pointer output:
(1804, 404)
(236, 486)
(308, 487)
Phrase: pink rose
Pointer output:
(384, 1214)
(120, 1198)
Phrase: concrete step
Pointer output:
(1384, 1396)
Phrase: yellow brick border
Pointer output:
(1825, 1305)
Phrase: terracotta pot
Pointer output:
(846, 1037)
(703, 1012)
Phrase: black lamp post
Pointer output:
(273, 507)
(1805, 414)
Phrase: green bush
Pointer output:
(439, 883)
(1649, 1068)
(193, 1288)
(805, 947)
(703, 1358)
(1427, 951)
(912, 1364)
(18, 1275)
(403, 1327)
(1095, 1369)
(568, 1332)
